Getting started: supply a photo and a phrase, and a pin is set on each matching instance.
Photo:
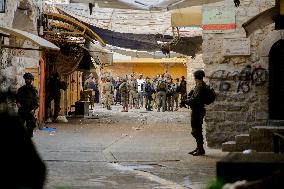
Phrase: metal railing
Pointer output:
(278, 143)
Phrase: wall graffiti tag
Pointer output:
(243, 80)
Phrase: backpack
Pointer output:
(148, 88)
(162, 85)
(123, 88)
(209, 95)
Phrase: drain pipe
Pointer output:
(41, 90)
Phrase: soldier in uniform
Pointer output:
(195, 101)
(162, 94)
(103, 99)
(170, 95)
(108, 90)
(124, 94)
(53, 88)
(133, 92)
(182, 90)
(175, 99)
(148, 91)
(28, 101)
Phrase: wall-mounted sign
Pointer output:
(236, 46)
(2, 6)
(218, 19)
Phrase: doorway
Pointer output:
(276, 81)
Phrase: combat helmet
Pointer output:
(28, 76)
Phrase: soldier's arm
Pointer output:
(196, 97)
(36, 99)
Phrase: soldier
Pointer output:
(108, 90)
(183, 90)
(103, 99)
(133, 93)
(27, 102)
(148, 88)
(175, 99)
(195, 101)
(170, 94)
(161, 94)
(53, 87)
(117, 95)
(124, 94)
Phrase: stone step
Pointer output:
(261, 137)
(242, 139)
(229, 146)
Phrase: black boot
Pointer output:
(200, 151)
(193, 151)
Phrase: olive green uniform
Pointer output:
(133, 93)
(161, 95)
(27, 97)
(196, 104)
(124, 92)
(108, 89)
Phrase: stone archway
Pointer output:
(268, 59)
(276, 81)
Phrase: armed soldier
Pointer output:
(148, 88)
(183, 91)
(170, 95)
(108, 90)
(175, 99)
(53, 88)
(27, 102)
(133, 92)
(124, 94)
(196, 103)
(161, 94)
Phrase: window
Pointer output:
(2, 6)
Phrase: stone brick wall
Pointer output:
(240, 104)
(14, 61)
(192, 65)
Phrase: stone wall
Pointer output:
(192, 65)
(13, 62)
(240, 103)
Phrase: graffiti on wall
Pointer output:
(243, 80)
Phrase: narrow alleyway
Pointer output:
(137, 149)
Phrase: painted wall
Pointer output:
(147, 69)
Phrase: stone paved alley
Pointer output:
(137, 149)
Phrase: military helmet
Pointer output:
(28, 76)
(199, 74)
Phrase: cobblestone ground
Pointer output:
(137, 149)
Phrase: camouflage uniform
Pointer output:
(28, 101)
(183, 90)
(175, 99)
(103, 99)
(108, 93)
(148, 91)
(170, 96)
(133, 93)
(162, 95)
(124, 93)
(196, 104)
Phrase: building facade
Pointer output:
(242, 80)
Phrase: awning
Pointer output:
(146, 4)
(261, 20)
(188, 3)
(42, 43)
(190, 16)
(76, 24)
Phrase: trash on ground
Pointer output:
(48, 129)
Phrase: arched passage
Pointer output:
(276, 81)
